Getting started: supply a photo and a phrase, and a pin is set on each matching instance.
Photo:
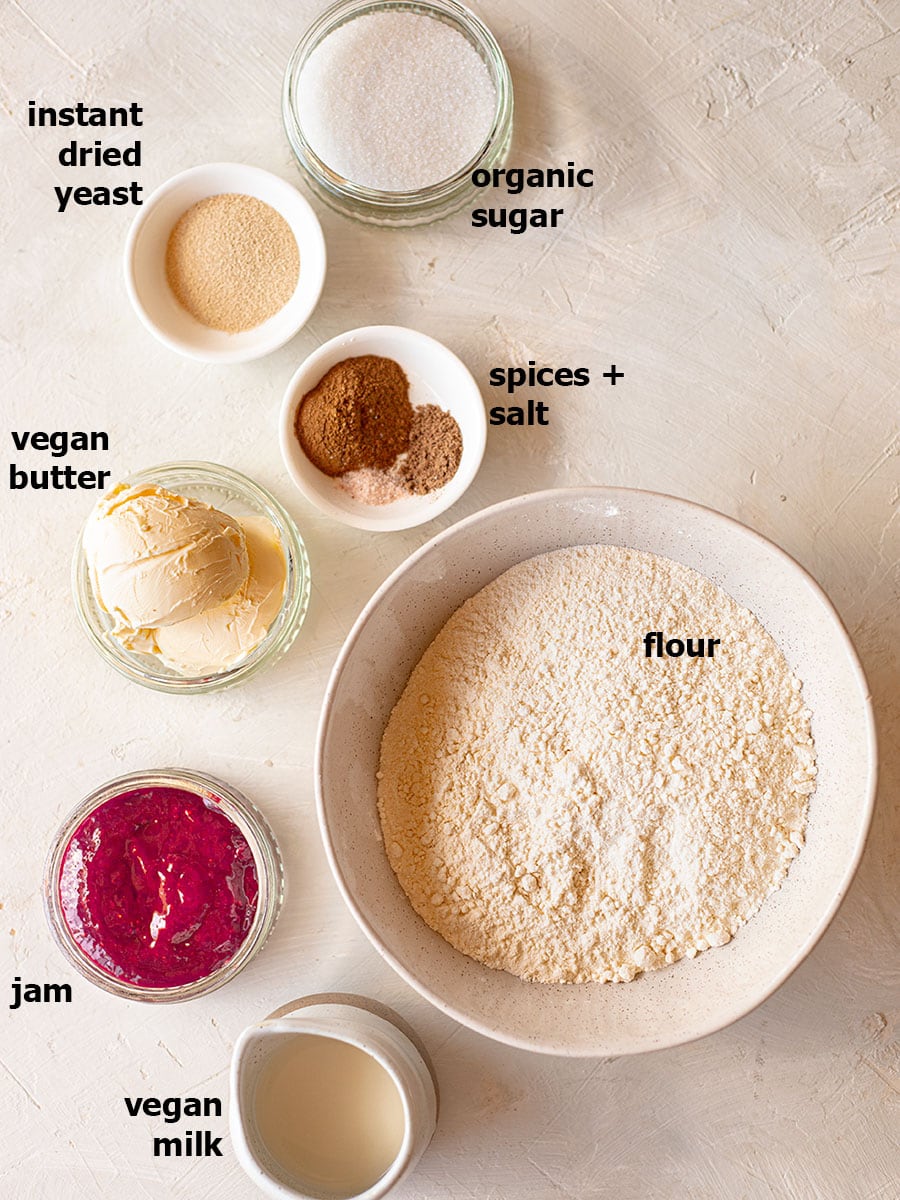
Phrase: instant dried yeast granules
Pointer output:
(232, 261)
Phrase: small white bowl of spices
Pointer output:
(225, 262)
(383, 428)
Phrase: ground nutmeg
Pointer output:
(435, 450)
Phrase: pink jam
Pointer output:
(158, 887)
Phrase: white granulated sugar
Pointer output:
(558, 805)
(395, 101)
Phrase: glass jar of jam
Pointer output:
(162, 885)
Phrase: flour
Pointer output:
(557, 805)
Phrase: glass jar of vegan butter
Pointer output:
(149, 660)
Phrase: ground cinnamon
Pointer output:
(358, 416)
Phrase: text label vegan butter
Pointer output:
(58, 478)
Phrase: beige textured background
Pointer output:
(738, 261)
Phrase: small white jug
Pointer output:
(343, 1021)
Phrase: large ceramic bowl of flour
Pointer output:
(661, 1007)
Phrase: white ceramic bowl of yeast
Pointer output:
(436, 376)
(145, 263)
(661, 1008)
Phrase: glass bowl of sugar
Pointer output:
(391, 105)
